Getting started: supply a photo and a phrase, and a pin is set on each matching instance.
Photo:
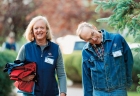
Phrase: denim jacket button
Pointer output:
(107, 78)
(106, 64)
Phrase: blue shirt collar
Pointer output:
(48, 44)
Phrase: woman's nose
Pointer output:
(39, 29)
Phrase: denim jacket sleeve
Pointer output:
(128, 59)
(86, 80)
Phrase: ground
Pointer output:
(72, 90)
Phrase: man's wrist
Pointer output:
(62, 94)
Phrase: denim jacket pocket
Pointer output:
(96, 72)
(92, 61)
(117, 55)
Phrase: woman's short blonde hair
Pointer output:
(81, 26)
(29, 31)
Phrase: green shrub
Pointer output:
(136, 68)
(73, 66)
(136, 72)
(5, 82)
(138, 87)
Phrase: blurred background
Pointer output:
(64, 17)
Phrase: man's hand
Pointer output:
(28, 78)
(62, 94)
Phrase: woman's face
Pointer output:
(39, 30)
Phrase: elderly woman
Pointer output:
(48, 57)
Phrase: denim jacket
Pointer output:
(113, 72)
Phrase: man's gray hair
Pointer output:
(81, 26)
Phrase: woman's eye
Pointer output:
(35, 28)
(42, 27)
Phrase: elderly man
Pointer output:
(107, 62)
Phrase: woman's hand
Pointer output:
(28, 78)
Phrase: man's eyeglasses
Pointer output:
(91, 38)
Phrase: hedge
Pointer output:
(5, 83)
(73, 67)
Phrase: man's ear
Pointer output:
(94, 27)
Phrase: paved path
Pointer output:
(71, 91)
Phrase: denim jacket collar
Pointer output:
(106, 37)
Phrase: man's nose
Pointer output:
(94, 39)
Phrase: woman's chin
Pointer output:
(39, 38)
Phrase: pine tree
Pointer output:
(125, 14)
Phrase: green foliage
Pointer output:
(73, 66)
(126, 14)
(130, 93)
(5, 82)
(136, 68)
(102, 20)
(138, 87)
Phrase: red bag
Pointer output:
(20, 72)
(15, 73)
(24, 86)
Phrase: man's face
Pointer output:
(91, 35)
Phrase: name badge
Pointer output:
(117, 53)
(49, 60)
